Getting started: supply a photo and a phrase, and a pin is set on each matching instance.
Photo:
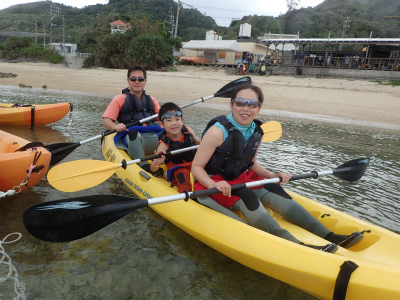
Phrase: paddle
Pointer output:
(83, 174)
(61, 150)
(72, 219)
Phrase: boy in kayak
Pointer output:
(129, 108)
(174, 137)
(227, 156)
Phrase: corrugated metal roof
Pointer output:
(376, 41)
(214, 45)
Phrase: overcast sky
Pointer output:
(222, 11)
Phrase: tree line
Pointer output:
(149, 41)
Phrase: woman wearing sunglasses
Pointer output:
(227, 155)
(130, 107)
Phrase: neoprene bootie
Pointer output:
(345, 241)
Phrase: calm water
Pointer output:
(142, 256)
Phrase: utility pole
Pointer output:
(54, 11)
(63, 20)
(177, 17)
(44, 35)
(35, 32)
(171, 21)
(345, 26)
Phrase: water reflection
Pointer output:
(142, 256)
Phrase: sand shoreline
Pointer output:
(343, 101)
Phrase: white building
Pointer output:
(67, 49)
(211, 35)
(119, 26)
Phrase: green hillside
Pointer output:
(84, 26)
(361, 17)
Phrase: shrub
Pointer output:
(151, 51)
(90, 61)
(55, 58)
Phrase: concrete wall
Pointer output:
(74, 62)
(337, 73)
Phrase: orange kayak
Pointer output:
(195, 60)
(40, 114)
(18, 165)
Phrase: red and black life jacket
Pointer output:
(179, 165)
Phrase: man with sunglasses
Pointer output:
(129, 108)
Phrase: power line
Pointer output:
(223, 9)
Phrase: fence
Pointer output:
(384, 64)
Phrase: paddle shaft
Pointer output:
(350, 171)
(151, 157)
(77, 175)
(108, 132)
(275, 131)
(60, 151)
(213, 191)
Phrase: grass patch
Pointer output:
(172, 69)
(377, 81)
(394, 82)
(390, 82)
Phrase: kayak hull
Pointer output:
(14, 165)
(42, 113)
(309, 270)
(195, 60)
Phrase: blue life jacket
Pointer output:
(134, 109)
(232, 158)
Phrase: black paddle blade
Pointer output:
(352, 170)
(60, 151)
(73, 219)
(227, 90)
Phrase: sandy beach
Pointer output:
(356, 102)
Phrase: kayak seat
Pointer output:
(5, 147)
(9, 147)
(168, 176)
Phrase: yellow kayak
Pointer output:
(368, 270)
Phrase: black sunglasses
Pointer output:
(140, 79)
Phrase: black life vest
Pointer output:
(232, 158)
(188, 141)
(134, 109)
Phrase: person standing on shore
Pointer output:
(130, 107)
